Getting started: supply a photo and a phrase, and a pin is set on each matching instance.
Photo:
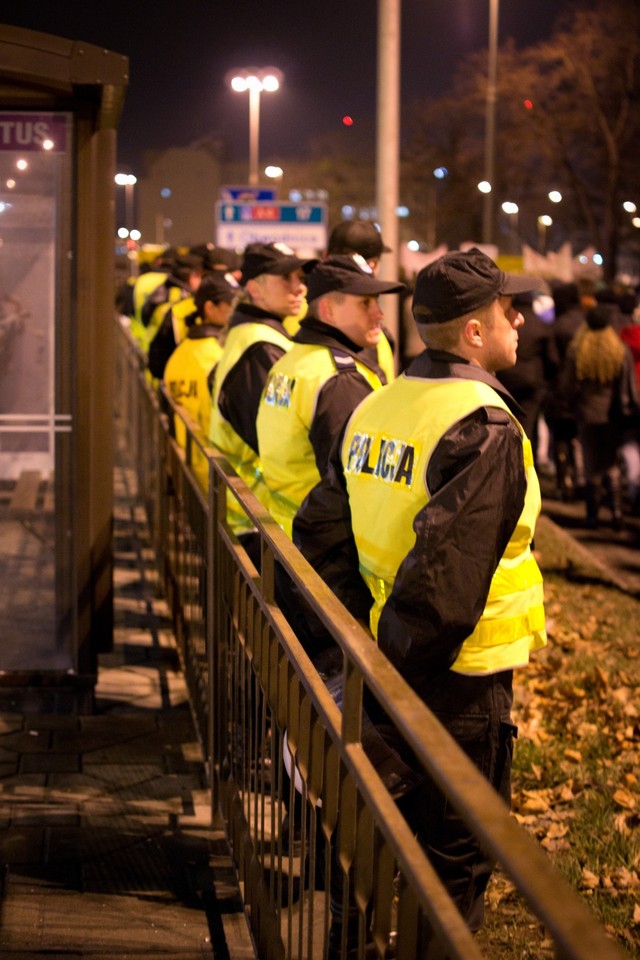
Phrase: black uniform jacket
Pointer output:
(340, 395)
(477, 484)
(241, 390)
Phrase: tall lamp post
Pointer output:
(490, 131)
(256, 81)
(128, 181)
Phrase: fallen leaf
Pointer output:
(573, 755)
(624, 878)
(589, 880)
(624, 798)
(557, 830)
(566, 794)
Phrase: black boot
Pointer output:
(592, 500)
(615, 500)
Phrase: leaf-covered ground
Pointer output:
(576, 782)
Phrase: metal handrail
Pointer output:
(244, 617)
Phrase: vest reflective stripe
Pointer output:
(386, 360)
(385, 470)
(242, 458)
(285, 417)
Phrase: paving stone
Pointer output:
(105, 818)
(46, 762)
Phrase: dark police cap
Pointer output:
(216, 286)
(274, 258)
(346, 274)
(461, 282)
(357, 236)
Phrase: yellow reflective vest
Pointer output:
(285, 417)
(385, 359)
(185, 377)
(240, 455)
(385, 456)
(143, 286)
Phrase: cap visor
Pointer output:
(286, 265)
(369, 286)
(513, 284)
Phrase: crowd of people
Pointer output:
(413, 494)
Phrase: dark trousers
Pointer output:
(477, 713)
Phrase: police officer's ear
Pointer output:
(324, 309)
(473, 333)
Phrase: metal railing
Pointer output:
(314, 831)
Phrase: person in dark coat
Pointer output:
(630, 449)
(560, 417)
(535, 368)
(600, 381)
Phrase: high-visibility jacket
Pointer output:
(185, 377)
(383, 350)
(177, 299)
(385, 456)
(241, 456)
(286, 416)
(143, 286)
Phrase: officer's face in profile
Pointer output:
(500, 335)
(281, 295)
(358, 317)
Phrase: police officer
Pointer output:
(186, 375)
(273, 289)
(364, 238)
(312, 390)
(434, 493)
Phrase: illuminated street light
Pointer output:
(273, 172)
(484, 186)
(128, 181)
(636, 222)
(512, 210)
(544, 221)
(555, 196)
(256, 81)
(629, 206)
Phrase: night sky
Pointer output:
(180, 53)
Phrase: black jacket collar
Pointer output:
(249, 313)
(440, 365)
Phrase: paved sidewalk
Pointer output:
(105, 843)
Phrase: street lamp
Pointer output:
(256, 81)
(512, 210)
(544, 221)
(432, 203)
(274, 172)
(490, 130)
(128, 181)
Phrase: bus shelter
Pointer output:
(60, 103)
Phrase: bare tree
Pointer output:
(568, 117)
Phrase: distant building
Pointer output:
(177, 192)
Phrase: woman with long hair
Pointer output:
(601, 385)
